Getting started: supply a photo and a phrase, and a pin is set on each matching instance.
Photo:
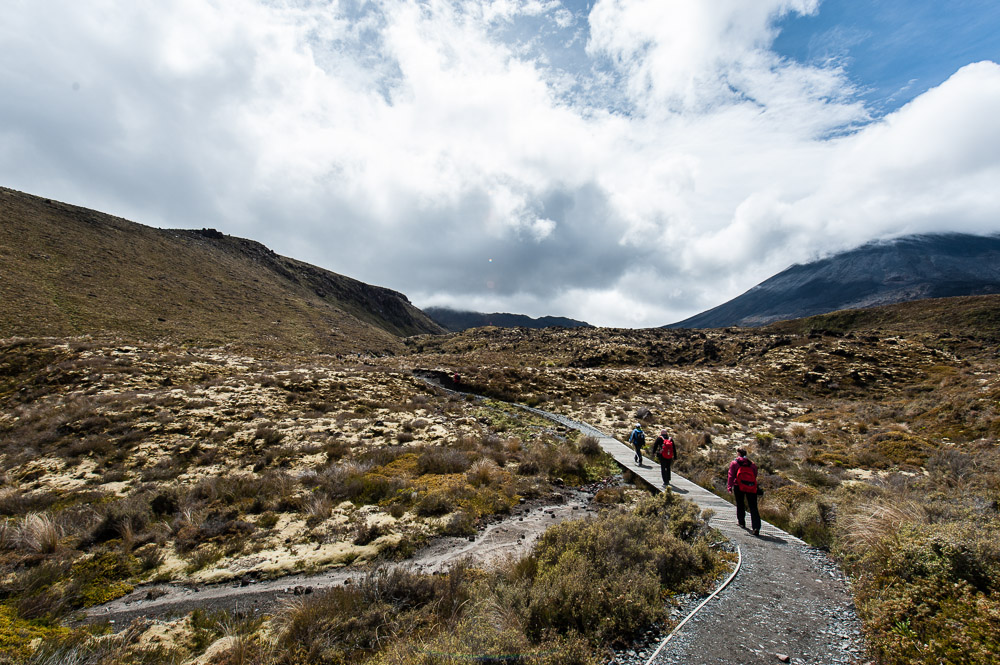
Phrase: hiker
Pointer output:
(742, 483)
(638, 439)
(664, 452)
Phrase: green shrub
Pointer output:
(346, 624)
(101, 577)
(18, 633)
(902, 448)
(576, 593)
(928, 595)
(435, 503)
(603, 576)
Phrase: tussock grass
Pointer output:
(561, 604)
(150, 448)
(38, 533)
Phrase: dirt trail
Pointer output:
(511, 536)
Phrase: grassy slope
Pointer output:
(69, 271)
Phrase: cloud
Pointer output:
(628, 166)
(926, 167)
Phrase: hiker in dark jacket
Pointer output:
(637, 439)
(664, 452)
(742, 483)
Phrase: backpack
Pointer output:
(667, 449)
(638, 438)
(746, 479)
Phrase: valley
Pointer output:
(208, 415)
(137, 466)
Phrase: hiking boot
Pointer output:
(742, 525)
(756, 532)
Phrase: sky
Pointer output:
(628, 163)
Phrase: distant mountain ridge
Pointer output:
(67, 270)
(457, 321)
(878, 273)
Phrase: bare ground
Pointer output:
(510, 537)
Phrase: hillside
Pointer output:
(457, 321)
(969, 317)
(878, 273)
(66, 270)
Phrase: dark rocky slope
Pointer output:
(457, 321)
(878, 273)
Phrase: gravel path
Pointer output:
(789, 603)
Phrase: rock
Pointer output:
(782, 657)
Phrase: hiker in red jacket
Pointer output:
(742, 483)
(664, 452)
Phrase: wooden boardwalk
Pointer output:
(725, 513)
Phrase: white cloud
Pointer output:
(408, 144)
(931, 166)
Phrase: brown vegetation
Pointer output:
(130, 461)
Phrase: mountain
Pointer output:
(66, 270)
(457, 321)
(878, 273)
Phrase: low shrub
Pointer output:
(441, 460)
(18, 635)
(764, 440)
(460, 524)
(269, 435)
(928, 593)
(123, 518)
(603, 576)
(365, 533)
(902, 448)
(347, 624)
(610, 496)
(435, 503)
(589, 446)
(351, 482)
(101, 577)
